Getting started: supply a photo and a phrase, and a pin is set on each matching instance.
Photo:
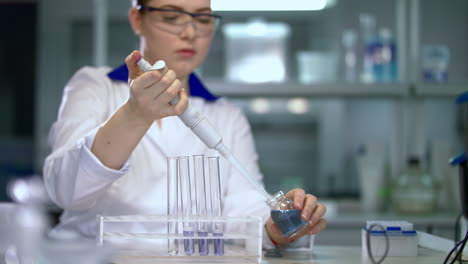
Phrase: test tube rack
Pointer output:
(144, 239)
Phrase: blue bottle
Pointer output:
(385, 63)
(286, 217)
(371, 45)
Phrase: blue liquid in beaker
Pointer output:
(203, 244)
(188, 244)
(288, 221)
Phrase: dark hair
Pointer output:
(142, 2)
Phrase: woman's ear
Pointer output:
(134, 17)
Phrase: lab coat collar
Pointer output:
(463, 98)
(196, 86)
(459, 160)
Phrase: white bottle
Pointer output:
(350, 58)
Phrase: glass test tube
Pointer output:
(199, 176)
(215, 183)
(172, 205)
(186, 198)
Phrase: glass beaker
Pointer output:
(413, 192)
(286, 217)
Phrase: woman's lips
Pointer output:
(186, 53)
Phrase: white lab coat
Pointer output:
(80, 184)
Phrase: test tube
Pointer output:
(172, 205)
(186, 198)
(215, 183)
(199, 175)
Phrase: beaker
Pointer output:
(286, 217)
(216, 210)
(186, 199)
(201, 198)
(413, 191)
(172, 205)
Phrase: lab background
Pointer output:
(330, 112)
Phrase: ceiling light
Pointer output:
(270, 5)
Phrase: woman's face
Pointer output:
(182, 51)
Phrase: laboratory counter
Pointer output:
(352, 255)
(320, 254)
(345, 220)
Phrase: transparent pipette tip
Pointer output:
(226, 153)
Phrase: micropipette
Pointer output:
(205, 131)
(197, 122)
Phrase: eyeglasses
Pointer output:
(174, 21)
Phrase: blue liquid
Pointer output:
(288, 221)
(188, 243)
(203, 244)
(381, 60)
(218, 245)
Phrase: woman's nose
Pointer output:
(189, 31)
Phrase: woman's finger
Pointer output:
(297, 196)
(182, 104)
(310, 205)
(318, 227)
(169, 93)
(318, 213)
(147, 80)
(133, 70)
(167, 79)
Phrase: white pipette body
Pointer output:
(204, 130)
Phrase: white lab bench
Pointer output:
(344, 228)
(335, 254)
(352, 255)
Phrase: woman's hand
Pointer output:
(151, 92)
(312, 211)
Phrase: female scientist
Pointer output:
(115, 129)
